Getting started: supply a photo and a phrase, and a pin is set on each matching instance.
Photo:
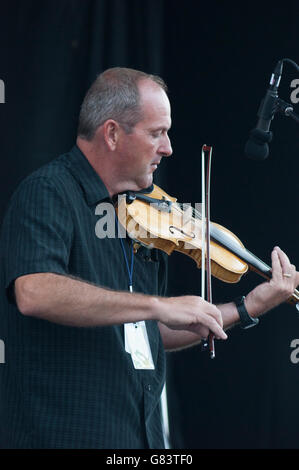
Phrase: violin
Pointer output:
(156, 220)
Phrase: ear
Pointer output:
(111, 131)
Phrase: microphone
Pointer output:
(257, 147)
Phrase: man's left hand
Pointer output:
(280, 288)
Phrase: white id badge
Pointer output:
(137, 344)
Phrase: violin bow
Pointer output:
(206, 154)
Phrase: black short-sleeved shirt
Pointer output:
(70, 387)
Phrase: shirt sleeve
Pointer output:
(37, 231)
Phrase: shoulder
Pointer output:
(55, 172)
(54, 177)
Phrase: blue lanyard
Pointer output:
(129, 268)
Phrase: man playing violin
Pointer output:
(85, 320)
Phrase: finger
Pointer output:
(283, 258)
(286, 274)
(203, 332)
(284, 255)
(215, 321)
(214, 327)
(215, 313)
(276, 265)
(219, 332)
(282, 265)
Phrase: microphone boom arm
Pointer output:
(286, 109)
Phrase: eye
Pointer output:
(156, 134)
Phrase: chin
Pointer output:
(149, 181)
(145, 182)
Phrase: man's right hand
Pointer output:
(192, 313)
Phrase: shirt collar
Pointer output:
(92, 185)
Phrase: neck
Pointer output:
(100, 160)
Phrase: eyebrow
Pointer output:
(158, 128)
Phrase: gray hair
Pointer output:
(114, 95)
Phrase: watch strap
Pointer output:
(246, 320)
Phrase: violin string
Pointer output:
(217, 234)
(181, 208)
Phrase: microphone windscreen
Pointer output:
(257, 147)
(256, 151)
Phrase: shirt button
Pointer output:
(148, 387)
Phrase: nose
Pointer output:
(165, 149)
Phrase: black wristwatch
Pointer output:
(246, 320)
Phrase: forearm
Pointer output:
(73, 302)
(260, 300)
(257, 303)
(229, 314)
(69, 301)
(177, 340)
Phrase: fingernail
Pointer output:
(223, 337)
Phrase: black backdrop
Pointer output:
(217, 60)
